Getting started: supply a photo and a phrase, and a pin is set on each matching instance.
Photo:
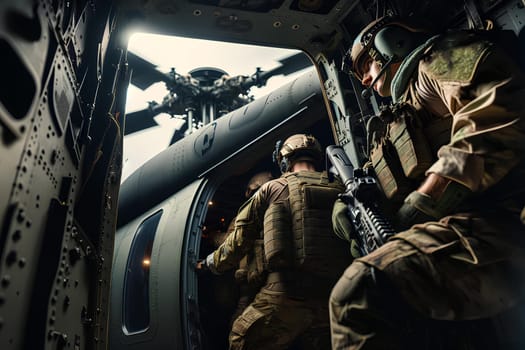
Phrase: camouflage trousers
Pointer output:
(460, 269)
(275, 321)
(246, 295)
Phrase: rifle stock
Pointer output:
(371, 229)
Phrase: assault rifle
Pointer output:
(361, 196)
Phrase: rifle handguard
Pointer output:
(367, 227)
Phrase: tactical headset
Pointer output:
(387, 40)
(282, 163)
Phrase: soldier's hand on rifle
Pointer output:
(435, 198)
(343, 227)
(410, 212)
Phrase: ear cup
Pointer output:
(395, 42)
(284, 165)
(275, 153)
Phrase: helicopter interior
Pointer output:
(67, 221)
(213, 299)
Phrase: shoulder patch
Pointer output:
(456, 64)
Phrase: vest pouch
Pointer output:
(255, 279)
(241, 274)
(406, 134)
(257, 273)
(318, 251)
(277, 238)
(388, 171)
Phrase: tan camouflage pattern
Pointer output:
(461, 268)
(287, 309)
(248, 225)
(470, 265)
(274, 321)
(486, 105)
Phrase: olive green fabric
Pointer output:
(278, 242)
(343, 226)
(488, 129)
(420, 207)
(317, 250)
(341, 222)
(464, 59)
(248, 225)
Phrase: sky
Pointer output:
(185, 55)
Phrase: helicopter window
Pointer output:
(164, 105)
(136, 282)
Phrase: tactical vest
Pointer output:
(401, 154)
(413, 136)
(299, 235)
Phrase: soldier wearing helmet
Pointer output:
(256, 181)
(457, 130)
(286, 225)
(381, 47)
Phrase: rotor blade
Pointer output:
(178, 134)
(292, 64)
(289, 65)
(144, 72)
(139, 120)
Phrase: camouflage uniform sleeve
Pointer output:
(248, 225)
(343, 227)
(485, 95)
(341, 223)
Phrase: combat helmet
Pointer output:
(297, 147)
(387, 40)
(257, 181)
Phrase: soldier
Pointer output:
(250, 275)
(300, 253)
(449, 156)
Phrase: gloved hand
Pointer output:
(411, 212)
(447, 196)
(205, 265)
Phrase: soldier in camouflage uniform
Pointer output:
(301, 256)
(248, 276)
(449, 156)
